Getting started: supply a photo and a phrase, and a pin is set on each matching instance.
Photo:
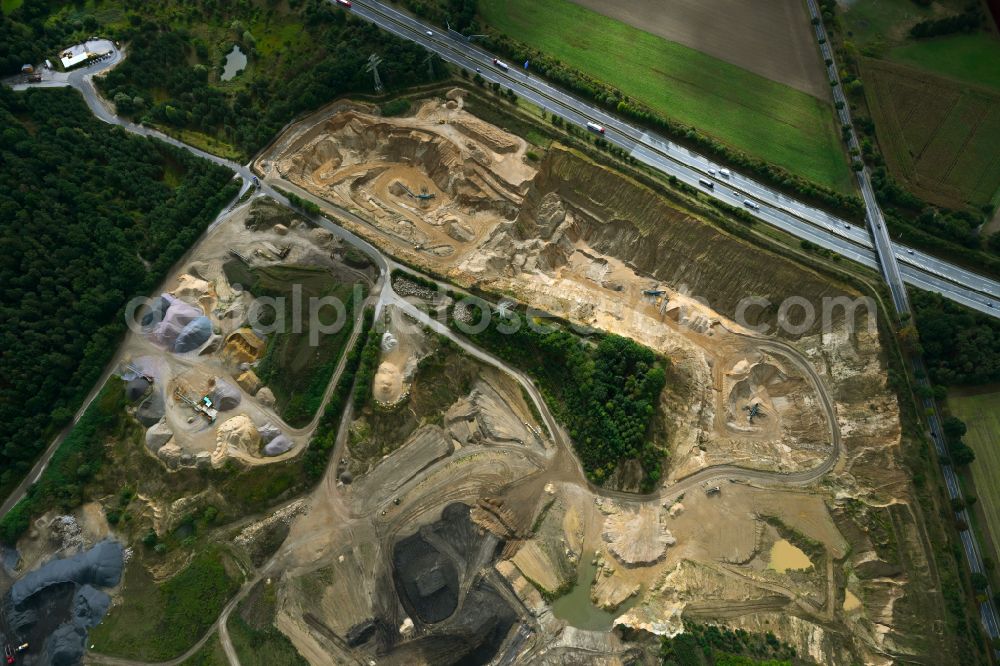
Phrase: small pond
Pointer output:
(576, 608)
(236, 62)
(787, 557)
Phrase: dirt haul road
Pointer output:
(388, 296)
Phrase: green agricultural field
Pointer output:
(981, 413)
(970, 58)
(873, 24)
(877, 25)
(763, 118)
(938, 137)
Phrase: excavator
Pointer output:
(754, 411)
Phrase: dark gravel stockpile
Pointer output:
(52, 607)
(431, 569)
(426, 578)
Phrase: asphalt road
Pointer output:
(784, 212)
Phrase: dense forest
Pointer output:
(91, 216)
(710, 645)
(280, 82)
(301, 54)
(605, 389)
(960, 346)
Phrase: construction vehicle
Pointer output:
(203, 406)
(423, 196)
(754, 411)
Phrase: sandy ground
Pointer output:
(705, 554)
(480, 180)
(202, 283)
(771, 38)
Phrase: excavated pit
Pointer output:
(461, 617)
(580, 240)
(439, 182)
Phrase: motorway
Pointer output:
(872, 247)
(809, 223)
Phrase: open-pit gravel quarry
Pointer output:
(454, 523)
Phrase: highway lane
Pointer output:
(387, 296)
(785, 212)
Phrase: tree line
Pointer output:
(960, 346)
(91, 216)
(317, 457)
(610, 98)
(967, 21)
(606, 389)
(953, 234)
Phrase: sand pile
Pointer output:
(387, 386)
(236, 436)
(196, 291)
(637, 537)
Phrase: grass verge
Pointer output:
(75, 463)
(160, 621)
(980, 409)
(256, 640)
(210, 654)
